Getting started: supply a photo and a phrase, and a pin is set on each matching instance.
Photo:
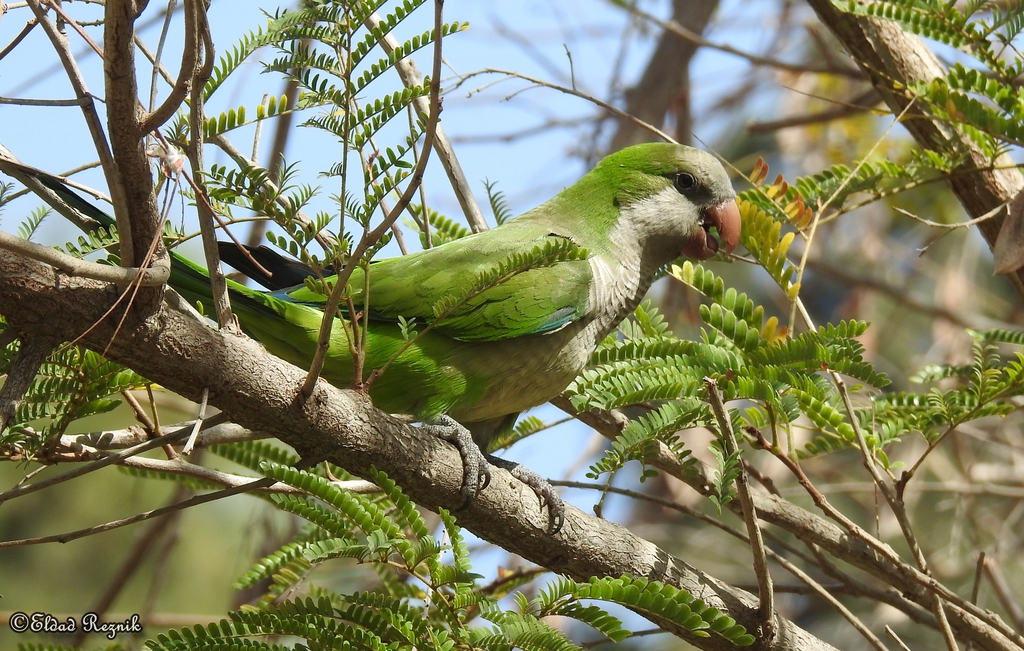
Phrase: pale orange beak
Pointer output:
(725, 219)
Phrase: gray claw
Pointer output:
(476, 475)
(544, 490)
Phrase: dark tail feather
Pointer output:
(284, 273)
(187, 278)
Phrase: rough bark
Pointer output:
(891, 57)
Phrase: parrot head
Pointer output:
(672, 196)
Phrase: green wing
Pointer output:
(534, 282)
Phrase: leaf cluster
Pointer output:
(981, 95)
(421, 600)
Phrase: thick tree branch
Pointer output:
(892, 58)
(131, 185)
(258, 390)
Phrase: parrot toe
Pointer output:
(476, 475)
(544, 490)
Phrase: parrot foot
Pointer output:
(476, 476)
(544, 490)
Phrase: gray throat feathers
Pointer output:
(621, 279)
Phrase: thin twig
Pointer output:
(143, 544)
(868, 459)
(898, 507)
(191, 442)
(140, 414)
(856, 107)
(442, 145)
(24, 101)
(372, 237)
(766, 596)
(196, 32)
(827, 595)
(170, 437)
(697, 39)
(92, 119)
(892, 634)
(29, 25)
(820, 211)
(149, 277)
(569, 91)
(157, 66)
(140, 517)
(979, 569)
(1004, 593)
(121, 438)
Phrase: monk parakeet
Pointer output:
(516, 344)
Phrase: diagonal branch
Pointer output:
(984, 628)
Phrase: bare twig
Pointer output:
(766, 596)
(191, 442)
(442, 145)
(143, 544)
(568, 91)
(183, 468)
(24, 101)
(187, 79)
(170, 437)
(92, 119)
(146, 277)
(29, 25)
(679, 30)
(1004, 593)
(892, 634)
(820, 211)
(140, 517)
(155, 59)
(861, 104)
(118, 439)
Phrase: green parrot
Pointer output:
(516, 344)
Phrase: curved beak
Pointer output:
(725, 219)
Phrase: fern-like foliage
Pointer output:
(981, 93)
(442, 229)
(339, 54)
(31, 224)
(499, 203)
(437, 610)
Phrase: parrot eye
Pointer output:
(685, 181)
